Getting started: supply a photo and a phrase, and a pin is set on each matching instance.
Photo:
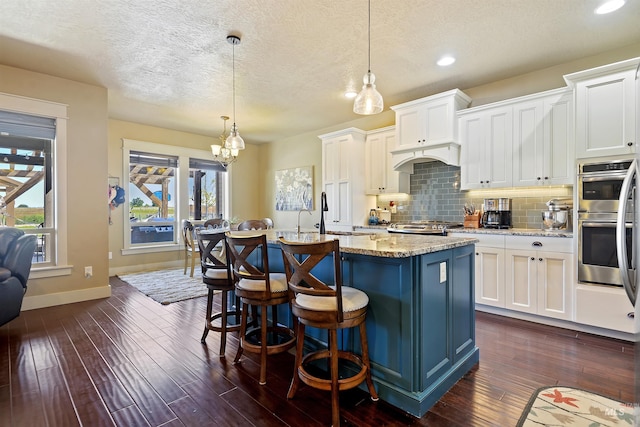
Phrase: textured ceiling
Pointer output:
(167, 63)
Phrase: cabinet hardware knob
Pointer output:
(477, 253)
(533, 259)
(539, 178)
(537, 244)
(546, 177)
(631, 315)
(539, 259)
(629, 143)
(481, 182)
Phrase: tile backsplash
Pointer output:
(435, 194)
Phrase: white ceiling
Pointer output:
(167, 62)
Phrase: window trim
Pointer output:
(57, 111)
(182, 190)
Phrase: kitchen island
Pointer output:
(421, 318)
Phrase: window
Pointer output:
(165, 185)
(152, 211)
(32, 160)
(206, 189)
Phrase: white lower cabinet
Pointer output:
(539, 282)
(489, 271)
(525, 273)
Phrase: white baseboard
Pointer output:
(60, 298)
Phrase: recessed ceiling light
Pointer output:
(350, 94)
(609, 6)
(446, 60)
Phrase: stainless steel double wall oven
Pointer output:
(599, 187)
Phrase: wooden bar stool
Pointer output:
(190, 247)
(257, 287)
(328, 307)
(216, 274)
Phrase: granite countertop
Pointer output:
(516, 232)
(382, 244)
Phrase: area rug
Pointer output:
(167, 286)
(566, 406)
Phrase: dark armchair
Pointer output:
(16, 255)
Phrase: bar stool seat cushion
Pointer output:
(352, 300)
(216, 273)
(278, 283)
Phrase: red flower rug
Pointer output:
(566, 406)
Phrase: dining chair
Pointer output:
(216, 275)
(268, 222)
(256, 286)
(253, 224)
(216, 223)
(190, 246)
(325, 306)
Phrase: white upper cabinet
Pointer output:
(426, 128)
(606, 109)
(526, 141)
(380, 176)
(343, 168)
(543, 144)
(486, 138)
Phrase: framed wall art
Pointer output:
(294, 189)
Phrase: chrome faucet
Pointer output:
(299, 212)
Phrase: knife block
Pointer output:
(472, 221)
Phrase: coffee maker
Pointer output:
(497, 213)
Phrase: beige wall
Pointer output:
(87, 178)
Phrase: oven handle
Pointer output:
(604, 177)
(604, 224)
(621, 238)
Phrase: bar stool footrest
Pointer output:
(344, 383)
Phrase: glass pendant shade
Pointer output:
(234, 140)
(369, 100)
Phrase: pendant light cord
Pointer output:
(369, 34)
(234, 83)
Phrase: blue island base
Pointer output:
(418, 404)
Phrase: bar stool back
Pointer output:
(332, 307)
(257, 287)
(216, 274)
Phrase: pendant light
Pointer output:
(221, 152)
(234, 140)
(369, 100)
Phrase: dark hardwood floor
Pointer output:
(129, 361)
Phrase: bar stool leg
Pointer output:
(335, 387)
(208, 314)
(263, 345)
(295, 380)
(223, 324)
(364, 344)
(243, 331)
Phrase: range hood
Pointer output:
(427, 130)
(446, 152)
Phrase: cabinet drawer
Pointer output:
(604, 307)
(549, 244)
(484, 240)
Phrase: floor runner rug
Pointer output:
(566, 406)
(167, 286)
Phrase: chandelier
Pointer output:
(222, 152)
